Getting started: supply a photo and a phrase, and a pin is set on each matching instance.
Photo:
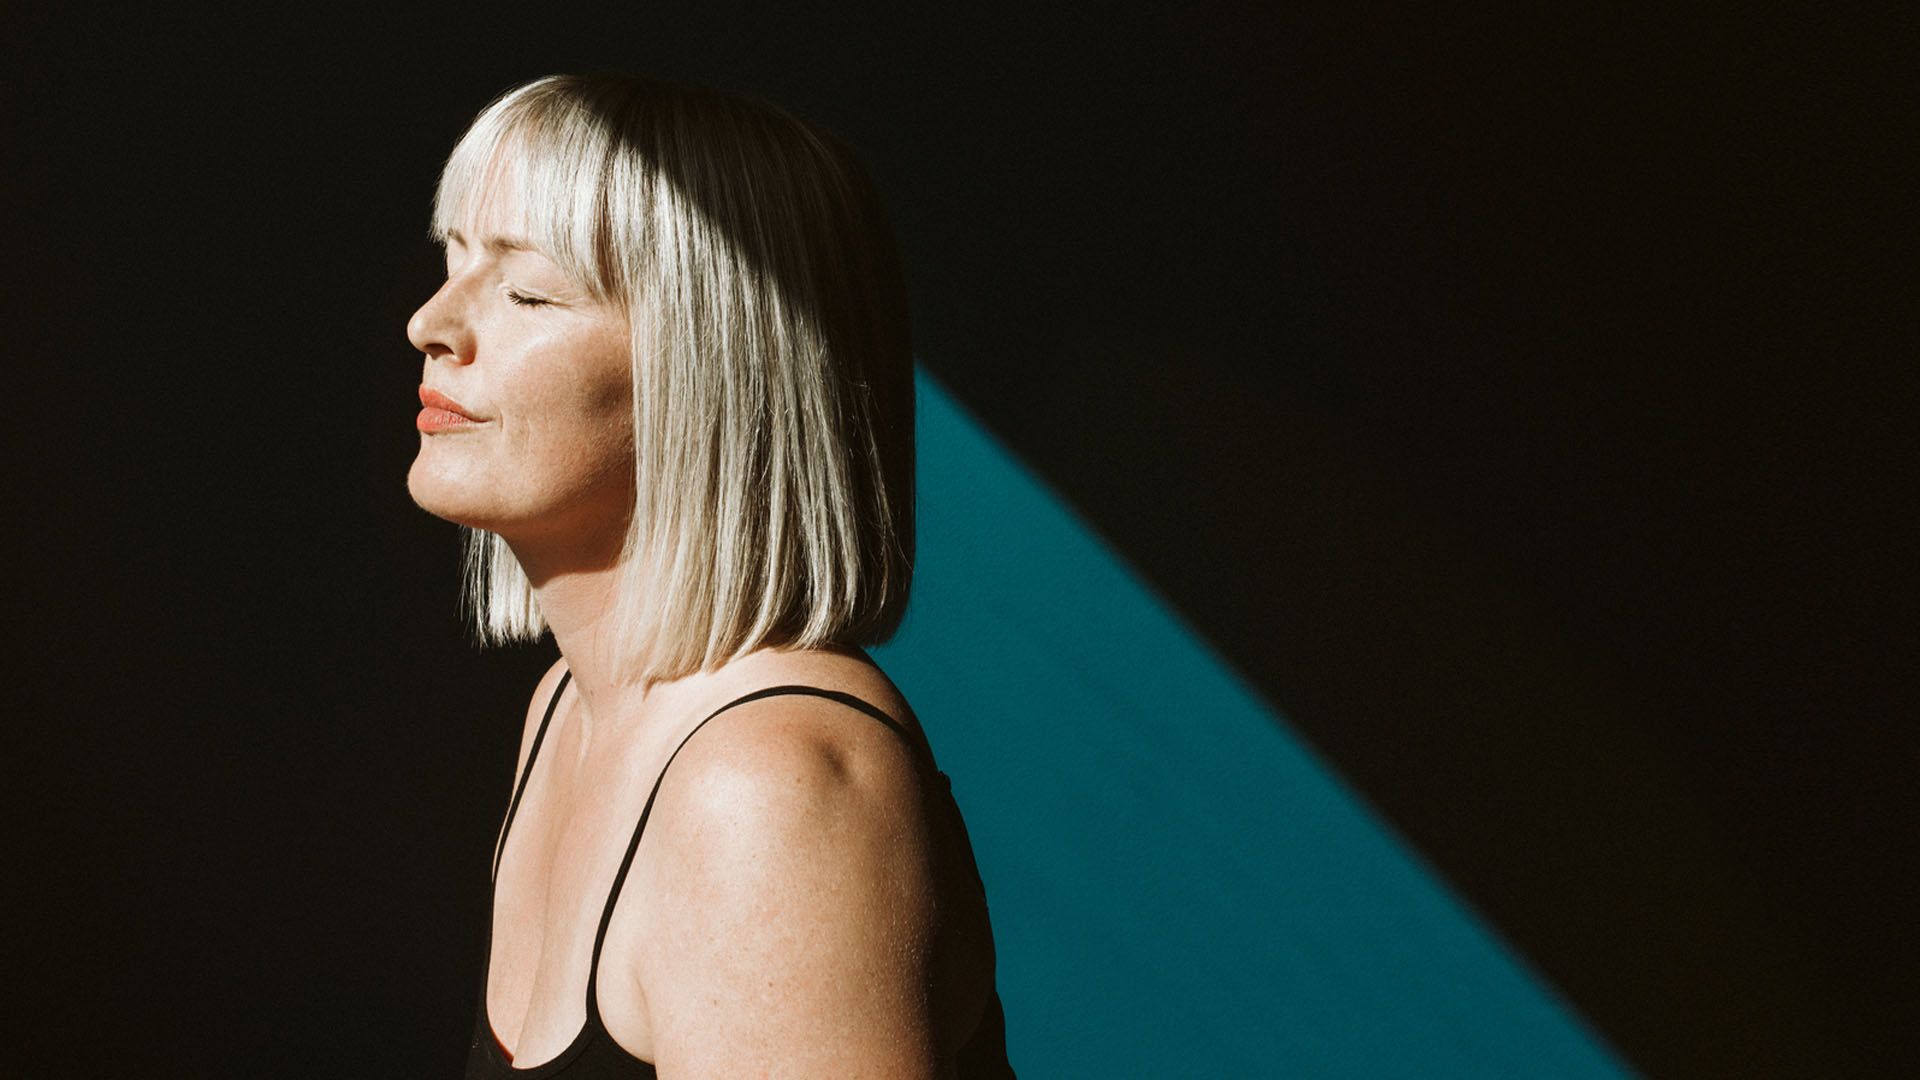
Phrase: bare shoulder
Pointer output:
(775, 767)
(800, 921)
(786, 764)
(782, 766)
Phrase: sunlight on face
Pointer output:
(542, 369)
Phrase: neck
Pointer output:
(577, 586)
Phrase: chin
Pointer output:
(461, 502)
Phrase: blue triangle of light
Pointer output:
(1179, 887)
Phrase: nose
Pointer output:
(440, 327)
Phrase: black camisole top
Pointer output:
(593, 1055)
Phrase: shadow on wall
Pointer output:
(1178, 886)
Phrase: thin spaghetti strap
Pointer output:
(526, 770)
(633, 845)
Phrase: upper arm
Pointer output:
(793, 931)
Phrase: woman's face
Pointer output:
(541, 369)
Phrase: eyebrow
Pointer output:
(496, 244)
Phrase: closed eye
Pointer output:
(524, 300)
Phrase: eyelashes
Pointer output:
(523, 300)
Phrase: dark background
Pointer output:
(1520, 398)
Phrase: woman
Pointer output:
(668, 392)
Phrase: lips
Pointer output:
(434, 399)
(441, 413)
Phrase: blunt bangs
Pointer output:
(547, 147)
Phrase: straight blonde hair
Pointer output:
(772, 367)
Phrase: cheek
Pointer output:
(605, 396)
(582, 427)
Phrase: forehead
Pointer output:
(496, 224)
(491, 208)
(498, 244)
(512, 192)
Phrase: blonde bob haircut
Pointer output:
(772, 368)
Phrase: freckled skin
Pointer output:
(791, 911)
(787, 914)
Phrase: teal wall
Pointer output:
(1179, 886)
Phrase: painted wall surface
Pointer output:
(1179, 887)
